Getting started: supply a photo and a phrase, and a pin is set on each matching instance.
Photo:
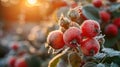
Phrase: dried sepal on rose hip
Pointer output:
(72, 37)
(90, 47)
(64, 22)
(73, 15)
(74, 24)
(55, 39)
(82, 16)
(62, 29)
(90, 28)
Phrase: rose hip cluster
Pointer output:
(14, 62)
(111, 30)
(73, 35)
(18, 60)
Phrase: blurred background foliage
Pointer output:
(26, 23)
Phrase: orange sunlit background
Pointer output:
(32, 2)
(34, 10)
(26, 11)
(26, 24)
(11, 12)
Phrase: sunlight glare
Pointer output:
(32, 2)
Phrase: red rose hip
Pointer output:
(116, 21)
(11, 61)
(21, 63)
(90, 47)
(97, 3)
(90, 28)
(105, 16)
(15, 46)
(72, 37)
(111, 30)
(55, 39)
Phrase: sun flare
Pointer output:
(32, 2)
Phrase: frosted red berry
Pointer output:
(105, 16)
(21, 63)
(55, 39)
(97, 3)
(72, 36)
(11, 61)
(15, 46)
(90, 46)
(90, 28)
(111, 30)
(116, 21)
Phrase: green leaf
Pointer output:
(107, 65)
(116, 13)
(109, 60)
(62, 63)
(100, 65)
(111, 52)
(3, 51)
(91, 12)
(33, 61)
(100, 55)
(3, 62)
(116, 60)
(90, 64)
(114, 7)
(75, 60)
(53, 62)
(56, 59)
(109, 42)
(114, 65)
(118, 33)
